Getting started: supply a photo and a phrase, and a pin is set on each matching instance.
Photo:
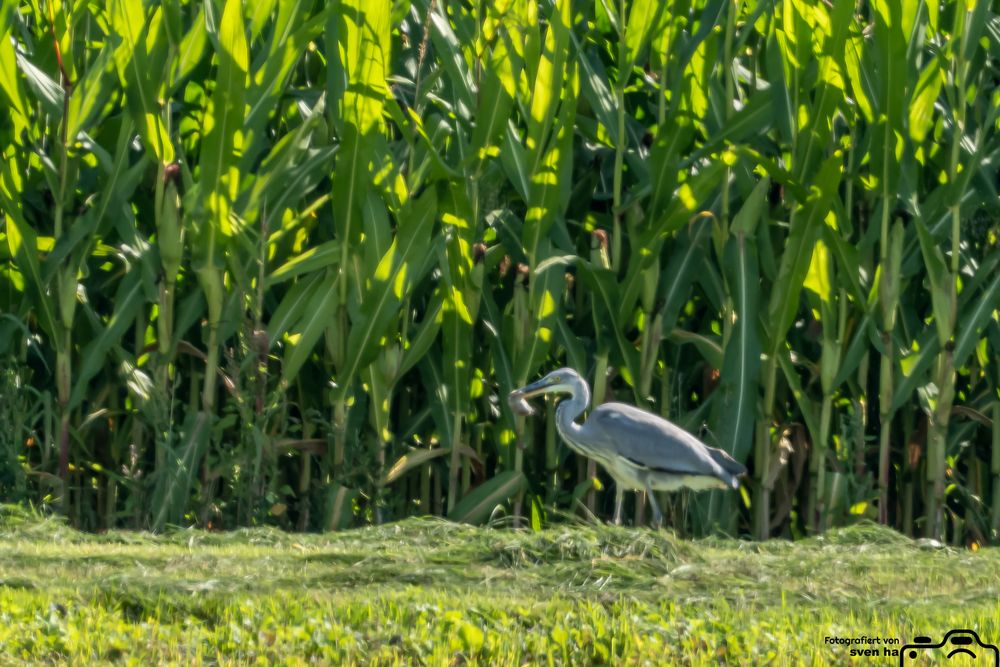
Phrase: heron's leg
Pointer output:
(657, 514)
(619, 501)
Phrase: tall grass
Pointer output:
(281, 262)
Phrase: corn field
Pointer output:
(281, 262)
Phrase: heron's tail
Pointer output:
(729, 464)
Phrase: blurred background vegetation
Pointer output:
(281, 262)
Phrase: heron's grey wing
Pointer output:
(653, 442)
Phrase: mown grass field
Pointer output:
(436, 593)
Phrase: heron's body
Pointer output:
(641, 451)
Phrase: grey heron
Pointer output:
(641, 451)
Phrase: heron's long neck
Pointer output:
(571, 408)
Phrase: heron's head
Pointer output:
(564, 380)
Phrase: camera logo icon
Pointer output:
(958, 647)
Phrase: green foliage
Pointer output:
(281, 262)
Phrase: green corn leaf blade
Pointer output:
(607, 17)
(122, 177)
(189, 312)
(192, 48)
(709, 347)
(140, 61)
(548, 88)
(581, 489)
(396, 273)
(734, 412)
(975, 22)
(921, 110)
(664, 156)
(377, 230)
(128, 301)
(45, 89)
(431, 165)
(973, 318)
(748, 217)
(319, 312)
(503, 367)
(11, 87)
(173, 21)
(456, 340)
(292, 34)
(664, 160)
(433, 380)
(797, 37)
(556, 260)
(426, 334)
(643, 19)
(754, 119)
(596, 91)
(781, 85)
(22, 242)
(496, 98)
(452, 60)
(358, 41)
(91, 94)
(515, 162)
(379, 389)
(70, 246)
(710, 280)
(856, 349)
(479, 504)
(292, 308)
(290, 171)
(688, 199)
(917, 369)
(797, 253)
(818, 277)
(576, 355)
(711, 21)
(860, 77)
(551, 182)
(544, 312)
(848, 262)
(603, 286)
(413, 459)
(686, 258)
(975, 307)
(316, 258)
(829, 91)
(260, 12)
(888, 58)
(224, 134)
(461, 302)
(807, 406)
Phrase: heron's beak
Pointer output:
(517, 399)
(534, 389)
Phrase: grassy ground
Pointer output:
(428, 592)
